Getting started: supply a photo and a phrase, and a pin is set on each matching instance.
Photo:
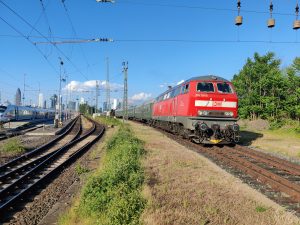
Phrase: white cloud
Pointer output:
(91, 85)
(141, 96)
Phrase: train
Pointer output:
(203, 109)
(19, 113)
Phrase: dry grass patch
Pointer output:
(185, 188)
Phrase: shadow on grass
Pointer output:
(247, 137)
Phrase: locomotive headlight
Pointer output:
(228, 113)
(202, 113)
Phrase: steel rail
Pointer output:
(40, 173)
(38, 150)
(263, 158)
(275, 181)
(17, 170)
(21, 129)
(290, 165)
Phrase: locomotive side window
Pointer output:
(224, 88)
(177, 91)
(185, 88)
(205, 87)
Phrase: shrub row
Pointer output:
(114, 195)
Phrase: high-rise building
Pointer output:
(115, 104)
(45, 104)
(41, 100)
(82, 101)
(104, 106)
(53, 101)
(18, 97)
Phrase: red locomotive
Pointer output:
(204, 109)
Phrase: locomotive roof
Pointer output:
(205, 77)
(208, 77)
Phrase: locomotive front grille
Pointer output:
(216, 113)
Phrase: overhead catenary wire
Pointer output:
(197, 7)
(93, 40)
(74, 31)
(46, 38)
(24, 36)
(47, 22)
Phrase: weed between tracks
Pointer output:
(13, 145)
(113, 195)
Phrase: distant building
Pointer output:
(18, 97)
(115, 104)
(41, 100)
(119, 105)
(72, 105)
(104, 106)
(82, 101)
(45, 104)
(77, 106)
(53, 100)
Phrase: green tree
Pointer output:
(259, 86)
(86, 109)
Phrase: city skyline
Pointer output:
(179, 42)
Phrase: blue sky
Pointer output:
(153, 64)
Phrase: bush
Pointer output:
(13, 145)
(113, 196)
(276, 124)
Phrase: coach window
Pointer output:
(224, 88)
(205, 87)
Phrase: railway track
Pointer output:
(23, 176)
(277, 178)
(282, 179)
(21, 130)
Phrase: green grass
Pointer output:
(80, 169)
(108, 121)
(13, 145)
(261, 209)
(113, 195)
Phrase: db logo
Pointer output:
(217, 104)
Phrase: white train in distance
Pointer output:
(19, 113)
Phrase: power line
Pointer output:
(205, 41)
(58, 49)
(74, 31)
(23, 35)
(199, 7)
(39, 18)
(47, 22)
(73, 40)
(41, 37)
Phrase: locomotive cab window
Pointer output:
(224, 88)
(205, 87)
